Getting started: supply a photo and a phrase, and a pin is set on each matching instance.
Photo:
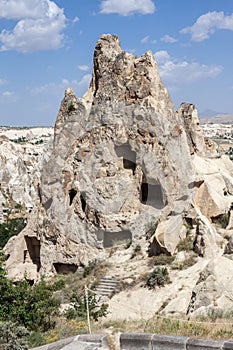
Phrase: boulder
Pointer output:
(167, 236)
(214, 289)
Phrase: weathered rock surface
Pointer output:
(214, 289)
(123, 161)
(22, 152)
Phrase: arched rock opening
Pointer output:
(129, 156)
(152, 194)
(72, 194)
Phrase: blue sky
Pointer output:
(47, 46)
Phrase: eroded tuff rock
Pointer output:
(122, 158)
(22, 152)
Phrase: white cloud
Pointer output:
(58, 89)
(40, 26)
(76, 19)
(83, 84)
(207, 24)
(168, 39)
(145, 39)
(7, 94)
(83, 67)
(162, 56)
(177, 72)
(3, 82)
(8, 97)
(16, 9)
(127, 8)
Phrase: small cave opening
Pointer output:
(33, 251)
(221, 220)
(72, 194)
(65, 269)
(144, 192)
(129, 156)
(48, 203)
(111, 239)
(83, 202)
(152, 194)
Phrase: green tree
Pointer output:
(10, 228)
(78, 311)
(33, 307)
(42, 306)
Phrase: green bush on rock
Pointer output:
(158, 277)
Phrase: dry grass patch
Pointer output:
(221, 329)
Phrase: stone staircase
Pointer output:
(107, 286)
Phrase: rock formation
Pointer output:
(122, 160)
(22, 152)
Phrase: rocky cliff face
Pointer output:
(123, 160)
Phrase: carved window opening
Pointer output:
(129, 156)
(33, 251)
(144, 192)
(48, 203)
(111, 239)
(152, 194)
(72, 194)
(65, 269)
(83, 202)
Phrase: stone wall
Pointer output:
(145, 341)
(138, 341)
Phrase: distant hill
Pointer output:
(218, 119)
(209, 113)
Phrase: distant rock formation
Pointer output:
(122, 159)
(22, 152)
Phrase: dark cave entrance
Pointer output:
(111, 239)
(129, 156)
(152, 194)
(65, 268)
(72, 194)
(33, 250)
(83, 202)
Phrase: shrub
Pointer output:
(158, 277)
(78, 311)
(39, 142)
(71, 107)
(35, 339)
(90, 267)
(13, 337)
(162, 259)
(137, 248)
(33, 307)
(185, 244)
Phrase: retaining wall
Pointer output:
(146, 341)
(138, 341)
